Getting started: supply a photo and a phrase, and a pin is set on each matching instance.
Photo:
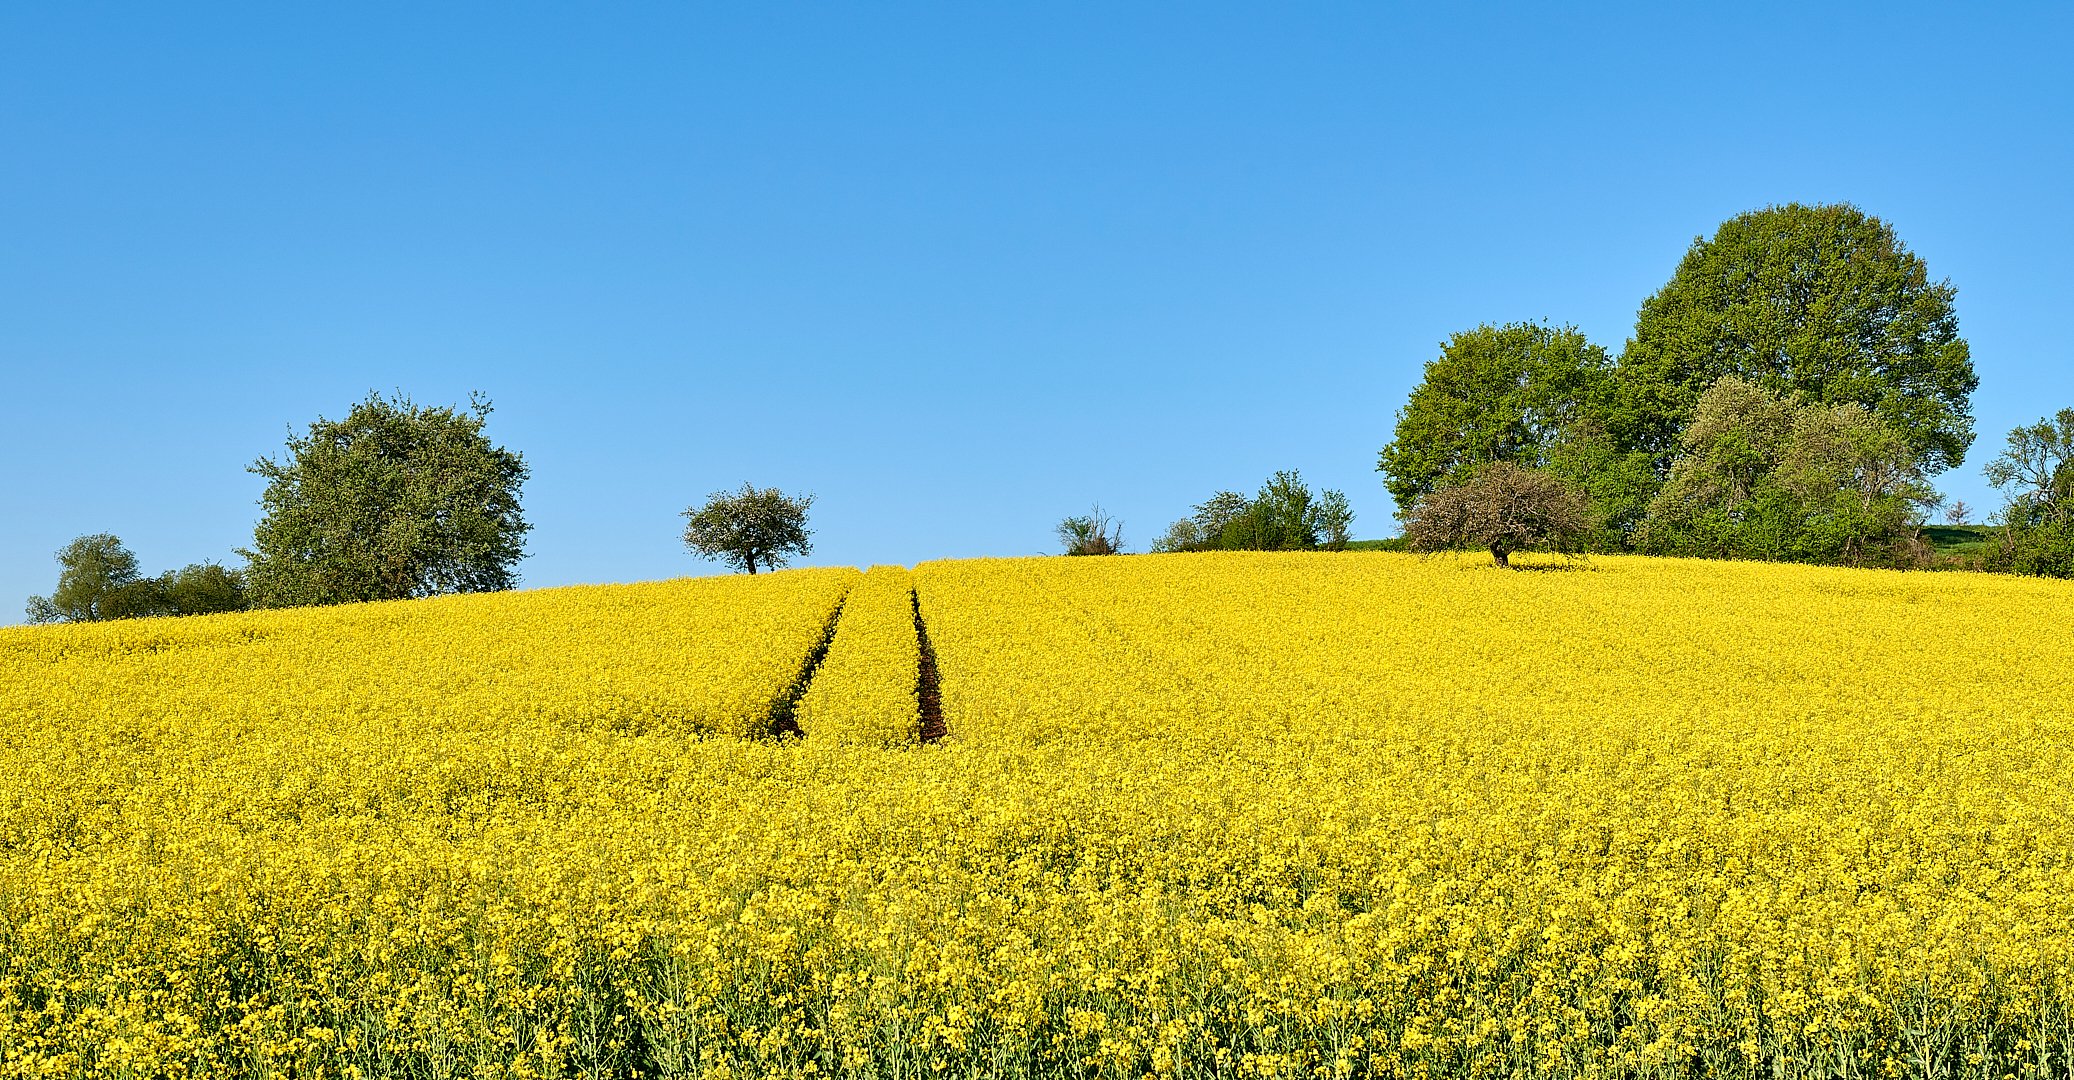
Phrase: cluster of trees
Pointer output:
(98, 579)
(394, 501)
(1284, 515)
(1786, 395)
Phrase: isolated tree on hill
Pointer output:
(1092, 533)
(1821, 301)
(749, 529)
(97, 580)
(396, 500)
(1503, 509)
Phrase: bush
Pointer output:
(1091, 534)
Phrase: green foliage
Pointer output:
(2035, 471)
(1285, 515)
(1820, 301)
(1217, 513)
(1620, 482)
(1496, 393)
(2045, 548)
(203, 589)
(750, 529)
(97, 580)
(1503, 508)
(1334, 520)
(1091, 534)
(1958, 539)
(1765, 475)
(394, 501)
(1182, 535)
(1389, 543)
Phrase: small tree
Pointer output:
(1957, 513)
(393, 501)
(97, 580)
(1503, 509)
(1335, 520)
(750, 528)
(1091, 534)
(2036, 472)
(2036, 469)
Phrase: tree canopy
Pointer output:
(2036, 469)
(2035, 472)
(1285, 515)
(396, 500)
(1502, 508)
(750, 529)
(98, 579)
(1820, 301)
(1768, 475)
(1496, 393)
(1092, 533)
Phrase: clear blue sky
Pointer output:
(959, 270)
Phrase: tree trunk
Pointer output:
(751, 560)
(1503, 556)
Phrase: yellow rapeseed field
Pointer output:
(1198, 815)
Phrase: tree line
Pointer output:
(1787, 395)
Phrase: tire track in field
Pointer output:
(928, 686)
(785, 709)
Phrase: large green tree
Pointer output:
(1820, 301)
(396, 500)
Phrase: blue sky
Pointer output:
(959, 270)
